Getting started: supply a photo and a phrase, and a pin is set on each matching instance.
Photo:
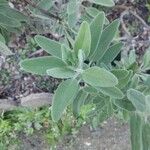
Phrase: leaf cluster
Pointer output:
(86, 61)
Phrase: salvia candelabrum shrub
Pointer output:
(88, 78)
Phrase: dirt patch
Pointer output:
(113, 135)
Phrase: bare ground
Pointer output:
(113, 135)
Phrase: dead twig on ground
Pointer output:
(128, 11)
(140, 19)
(133, 41)
(123, 24)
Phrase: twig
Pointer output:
(34, 5)
(123, 7)
(127, 12)
(140, 19)
(123, 24)
(36, 53)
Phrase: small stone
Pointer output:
(7, 105)
(37, 100)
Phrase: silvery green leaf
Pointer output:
(137, 99)
(107, 3)
(146, 60)
(147, 81)
(136, 123)
(43, 4)
(148, 104)
(3, 3)
(89, 100)
(146, 91)
(2, 39)
(79, 102)
(10, 29)
(72, 19)
(83, 39)
(99, 77)
(6, 21)
(73, 12)
(92, 11)
(64, 96)
(86, 17)
(90, 89)
(4, 49)
(71, 7)
(96, 28)
(81, 58)
(134, 81)
(124, 104)
(61, 72)
(65, 53)
(111, 53)
(124, 81)
(41, 64)
(112, 92)
(12, 13)
(69, 39)
(106, 38)
(132, 57)
(146, 136)
(99, 101)
(50, 46)
(120, 73)
(134, 67)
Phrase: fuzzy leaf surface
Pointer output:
(4, 49)
(120, 73)
(107, 3)
(137, 99)
(111, 53)
(79, 102)
(50, 46)
(41, 64)
(61, 72)
(112, 92)
(63, 96)
(99, 77)
(96, 28)
(83, 40)
(105, 40)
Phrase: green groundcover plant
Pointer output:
(23, 121)
(89, 78)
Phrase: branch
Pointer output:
(140, 19)
(128, 11)
(123, 24)
(123, 7)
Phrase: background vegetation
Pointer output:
(21, 23)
